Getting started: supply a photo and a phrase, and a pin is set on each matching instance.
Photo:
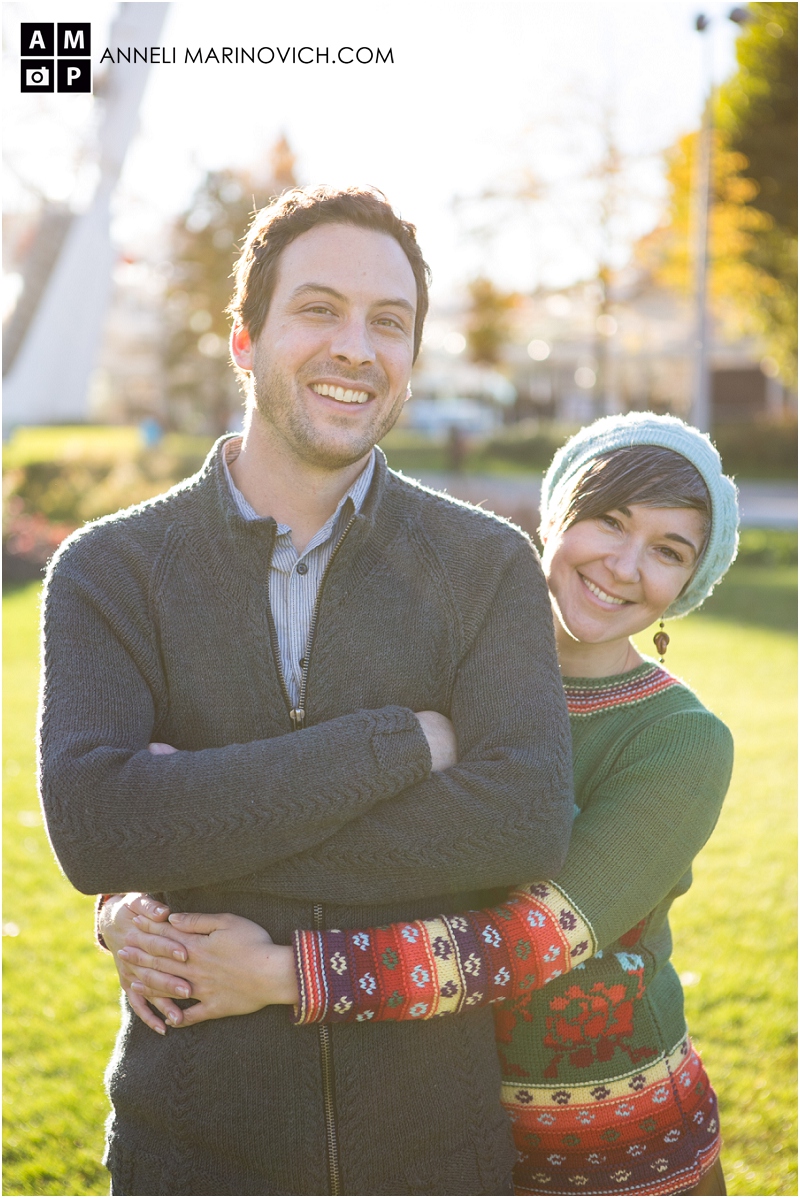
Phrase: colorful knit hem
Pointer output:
(651, 1131)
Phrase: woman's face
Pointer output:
(613, 575)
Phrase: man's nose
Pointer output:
(352, 343)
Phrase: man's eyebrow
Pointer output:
(304, 288)
(396, 302)
(316, 288)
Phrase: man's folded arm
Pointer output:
(121, 819)
(504, 812)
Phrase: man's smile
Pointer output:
(341, 394)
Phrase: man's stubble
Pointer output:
(279, 407)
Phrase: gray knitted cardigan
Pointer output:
(157, 627)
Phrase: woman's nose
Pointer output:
(624, 562)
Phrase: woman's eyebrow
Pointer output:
(676, 536)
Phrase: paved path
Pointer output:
(762, 504)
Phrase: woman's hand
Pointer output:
(115, 923)
(231, 967)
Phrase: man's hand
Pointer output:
(232, 966)
(159, 749)
(441, 737)
(119, 931)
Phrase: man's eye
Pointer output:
(389, 322)
(319, 309)
(609, 521)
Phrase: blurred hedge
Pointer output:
(529, 443)
(768, 547)
(57, 478)
(761, 449)
(54, 479)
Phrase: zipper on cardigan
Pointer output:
(328, 1090)
(297, 714)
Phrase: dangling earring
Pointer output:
(661, 640)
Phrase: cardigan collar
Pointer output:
(213, 517)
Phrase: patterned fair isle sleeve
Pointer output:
(440, 966)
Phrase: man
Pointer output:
(279, 619)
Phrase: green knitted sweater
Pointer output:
(652, 766)
(594, 1009)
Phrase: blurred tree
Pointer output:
(488, 321)
(733, 226)
(753, 218)
(201, 388)
(612, 192)
(593, 198)
(758, 110)
(758, 107)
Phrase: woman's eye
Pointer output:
(609, 521)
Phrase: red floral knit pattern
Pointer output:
(652, 1131)
(440, 966)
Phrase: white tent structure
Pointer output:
(49, 379)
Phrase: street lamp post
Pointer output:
(701, 388)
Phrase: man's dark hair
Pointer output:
(296, 212)
(645, 474)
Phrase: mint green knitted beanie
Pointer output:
(645, 428)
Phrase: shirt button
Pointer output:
(302, 568)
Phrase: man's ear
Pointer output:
(241, 347)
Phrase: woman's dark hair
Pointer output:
(643, 474)
(296, 212)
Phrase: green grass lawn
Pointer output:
(734, 932)
(88, 443)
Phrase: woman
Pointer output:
(604, 1090)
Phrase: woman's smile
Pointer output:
(602, 595)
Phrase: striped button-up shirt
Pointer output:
(294, 578)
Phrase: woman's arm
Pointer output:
(630, 847)
(441, 966)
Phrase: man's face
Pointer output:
(332, 363)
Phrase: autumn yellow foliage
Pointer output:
(735, 284)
